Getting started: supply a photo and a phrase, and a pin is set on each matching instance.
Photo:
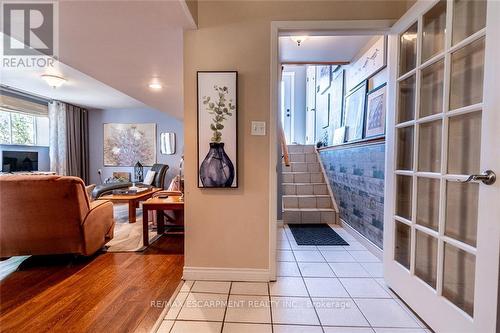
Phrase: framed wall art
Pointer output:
(324, 75)
(369, 63)
(337, 99)
(375, 112)
(217, 129)
(323, 110)
(339, 136)
(354, 112)
(127, 144)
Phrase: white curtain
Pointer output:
(58, 140)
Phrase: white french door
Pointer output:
(442, 234)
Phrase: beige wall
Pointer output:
(228, 228)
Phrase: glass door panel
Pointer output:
(458, 278)
(468, 18)
(467, 75)
(408, 50)
(431, 90)
(428, 202)
(402, 244)
(429, 146)
(461, 212)
(405, 148)
(426, 249)
(434, 23)
(406, 109)
(464, 144)
(404, 191)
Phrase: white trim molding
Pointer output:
(226, 274)
(374, 249)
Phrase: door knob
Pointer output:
(488, 178)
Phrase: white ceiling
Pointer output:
(79, 89)
(111, 50)
(322, 48)
(124, 44)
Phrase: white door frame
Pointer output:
(351, 27)
(417, 295)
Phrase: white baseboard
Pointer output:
(363, 240)
(226, 274)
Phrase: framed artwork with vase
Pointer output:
(217, 129)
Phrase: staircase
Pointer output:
(305, 194)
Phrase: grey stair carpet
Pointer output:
(315, 234)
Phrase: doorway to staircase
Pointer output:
(306, 196)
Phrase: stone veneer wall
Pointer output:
(356, 175)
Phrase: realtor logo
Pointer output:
(31, 28)
(30, 34)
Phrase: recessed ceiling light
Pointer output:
(298, 39)
(53, 80)
(409, 36)
(155, 85)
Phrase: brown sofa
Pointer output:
(51, 215)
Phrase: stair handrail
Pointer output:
(284, 146)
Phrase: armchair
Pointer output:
(158, 181)
(51, 215)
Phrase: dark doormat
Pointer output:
(315, 234)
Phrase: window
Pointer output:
(23, 129)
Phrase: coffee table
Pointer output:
(132, 200)
(159, 205)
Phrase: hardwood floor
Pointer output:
(110, 292)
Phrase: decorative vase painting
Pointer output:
(217, 129)
(127, 144)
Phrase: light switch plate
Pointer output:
(258, 128)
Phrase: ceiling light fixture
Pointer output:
(298, 39)
(53, 80)
(155, 85)
(409, 36)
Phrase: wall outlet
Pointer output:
(258, 128)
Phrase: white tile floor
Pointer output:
(324, 289)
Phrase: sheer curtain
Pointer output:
(58, 140)
(68, 142)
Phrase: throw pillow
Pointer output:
(150, 176)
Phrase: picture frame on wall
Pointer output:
(217, 94)
(339, 136)
(323, 110)
(376, 106)
(355, 112)
(324, 78)
(369, 63)
(126, 144)
(337, 98)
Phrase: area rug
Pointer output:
(315, 234)
(127, 236)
